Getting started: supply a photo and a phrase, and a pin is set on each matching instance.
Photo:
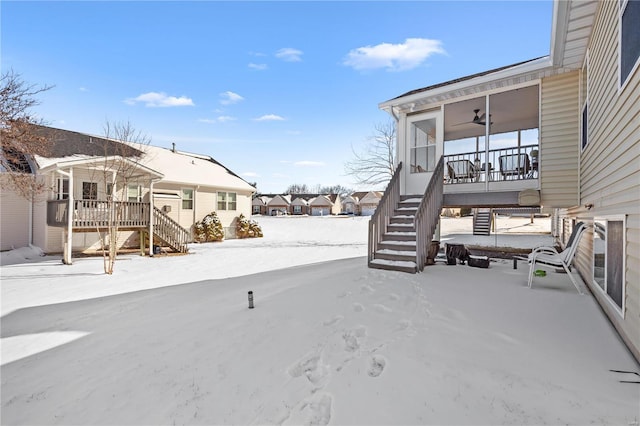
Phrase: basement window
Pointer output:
(609, 258)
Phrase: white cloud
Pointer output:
(259, 67)
(394, 57)
(220, 119)
(289, 54)
(159, 99)
(229, 98)
(83, 89)
(250, 174)
(269, 117)
(308, 163)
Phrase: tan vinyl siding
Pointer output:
(559, 136)
(610, 165)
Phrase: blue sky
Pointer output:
(279, 92)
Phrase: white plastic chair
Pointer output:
(549, 257)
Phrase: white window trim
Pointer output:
(620, 310)
(584, 102)
(621, 86)
(182, 199)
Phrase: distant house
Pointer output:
(300, 205)
(325, 205)
(155, 191)
(279, 205)
(259, 204)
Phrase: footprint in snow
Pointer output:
(366, 288)
(382, 309)
(394, 296)
(352, 338)
(318, 409)
(336, 319)
(311, 367)
(358, 307)
(377, 363)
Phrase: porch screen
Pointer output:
(423, 146)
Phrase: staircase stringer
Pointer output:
(170, 232)
(428, 214)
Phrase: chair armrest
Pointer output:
(544, 249)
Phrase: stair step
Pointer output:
(400, 227)
(396, 255)
(390, 265)
(400, 236)
(397, 245)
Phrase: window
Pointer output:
(584, 98)
(297, 209)
(227, 200)
(109, 189)
(629, 38)
(187, 199)
(62, 189)
(423, 146)
(256, 209)
(134, 193)
(609, 257)
(89, 191)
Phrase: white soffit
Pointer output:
(572, 25)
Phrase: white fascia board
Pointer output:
(559, 30)
(529, 67)
(60, 165)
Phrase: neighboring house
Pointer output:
(361, 203)
(83, 172)
(325, 205)
(279, 205)
(195, 185)
(572, 117)
(259, 204)
(300, 205)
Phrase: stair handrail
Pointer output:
(384, 211)
(428, 214)
(170, 231)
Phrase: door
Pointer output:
(425, 146)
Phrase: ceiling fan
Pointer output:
(477, 119)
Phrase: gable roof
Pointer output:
(69, 147)
(192, 169)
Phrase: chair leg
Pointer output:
(531, 269)
(575, 284)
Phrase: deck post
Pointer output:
(151, 207)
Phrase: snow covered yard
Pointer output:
(170, 340)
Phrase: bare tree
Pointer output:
(297, 188)
(18, 137)
(119, 174)
(376, 163)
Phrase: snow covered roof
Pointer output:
(192, 169)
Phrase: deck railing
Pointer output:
(92, 214)
(428, 214)
(380, 219)
(170, 231)
(514, 163)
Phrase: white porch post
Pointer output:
(69, 244)
(151, 206)
(487, 129)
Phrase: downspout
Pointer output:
(151, 206)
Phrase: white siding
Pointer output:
(14, 220)
(559, 141)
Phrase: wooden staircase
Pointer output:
(397, 250)
(482, 221)
(402, 227)
(169, 232)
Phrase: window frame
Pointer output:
(187, 202)
(137, 189)
(61, 194)
(604, 289)
(227, 201)
(92, 193)
(429, 147)
(584, 103)
(623, 4)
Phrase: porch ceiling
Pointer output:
(511, 110)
